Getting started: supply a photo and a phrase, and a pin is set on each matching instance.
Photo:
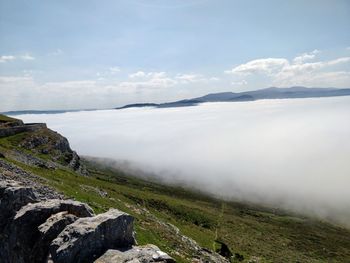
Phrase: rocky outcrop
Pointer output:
(18, 127)
(22, 231)
(88, 238)
(38, 229)
(13, 197)
(49, 230)
(144, 254)
(41, 141)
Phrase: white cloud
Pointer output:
(265, 66)
(138, 74)
(162, 79)
(338, 61)
(26, 92)
(4, 59)
(314, 74)
(27, 57)
(151, 80)
(239, 83)
(14, 79)
(190, 78)
(7, 58)
(306, 56)
(299, 71)
(114, 70)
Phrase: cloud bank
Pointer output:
(292, 154)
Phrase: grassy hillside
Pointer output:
(4, 118)
(252, 233)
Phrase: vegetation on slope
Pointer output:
(250, 232)
(4, 118)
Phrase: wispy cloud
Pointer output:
(114, 70)
(264, 65)
(27, 57)
(239, 83)
(150, 80)
(190, 78)
(6, 58)
(305, 56)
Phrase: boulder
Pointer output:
(12, 197)
(23, 230)
(88, 238)
(137, 254)
(48, 232)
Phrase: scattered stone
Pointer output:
(97, 190)
(137, 254)
(87, 238)
(9, 171)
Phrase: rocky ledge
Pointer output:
(37, 229)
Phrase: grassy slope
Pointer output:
(246, 229)
(4, 118)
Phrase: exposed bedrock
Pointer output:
(39, 230)
(22, 232)
(144, 254)
(88, 238)
(12, 197)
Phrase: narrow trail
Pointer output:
(218, 225)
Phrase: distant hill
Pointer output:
(269, 93)
(21, 112)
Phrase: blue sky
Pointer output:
(99, 54)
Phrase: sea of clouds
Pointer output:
(293, 154)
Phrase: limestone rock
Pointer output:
(48, 232)
(33, 213)
(87, 238)
(137, 254)
(23, 230)
(12, 197)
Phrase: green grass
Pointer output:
(247, 229)
(4, 118)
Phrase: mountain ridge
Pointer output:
(267, 93)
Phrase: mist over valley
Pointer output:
(289, 154)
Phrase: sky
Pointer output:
(292, 153)
(102, 54)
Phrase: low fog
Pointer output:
(292, 154)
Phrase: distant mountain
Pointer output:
(21, 112)
(269, 93)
